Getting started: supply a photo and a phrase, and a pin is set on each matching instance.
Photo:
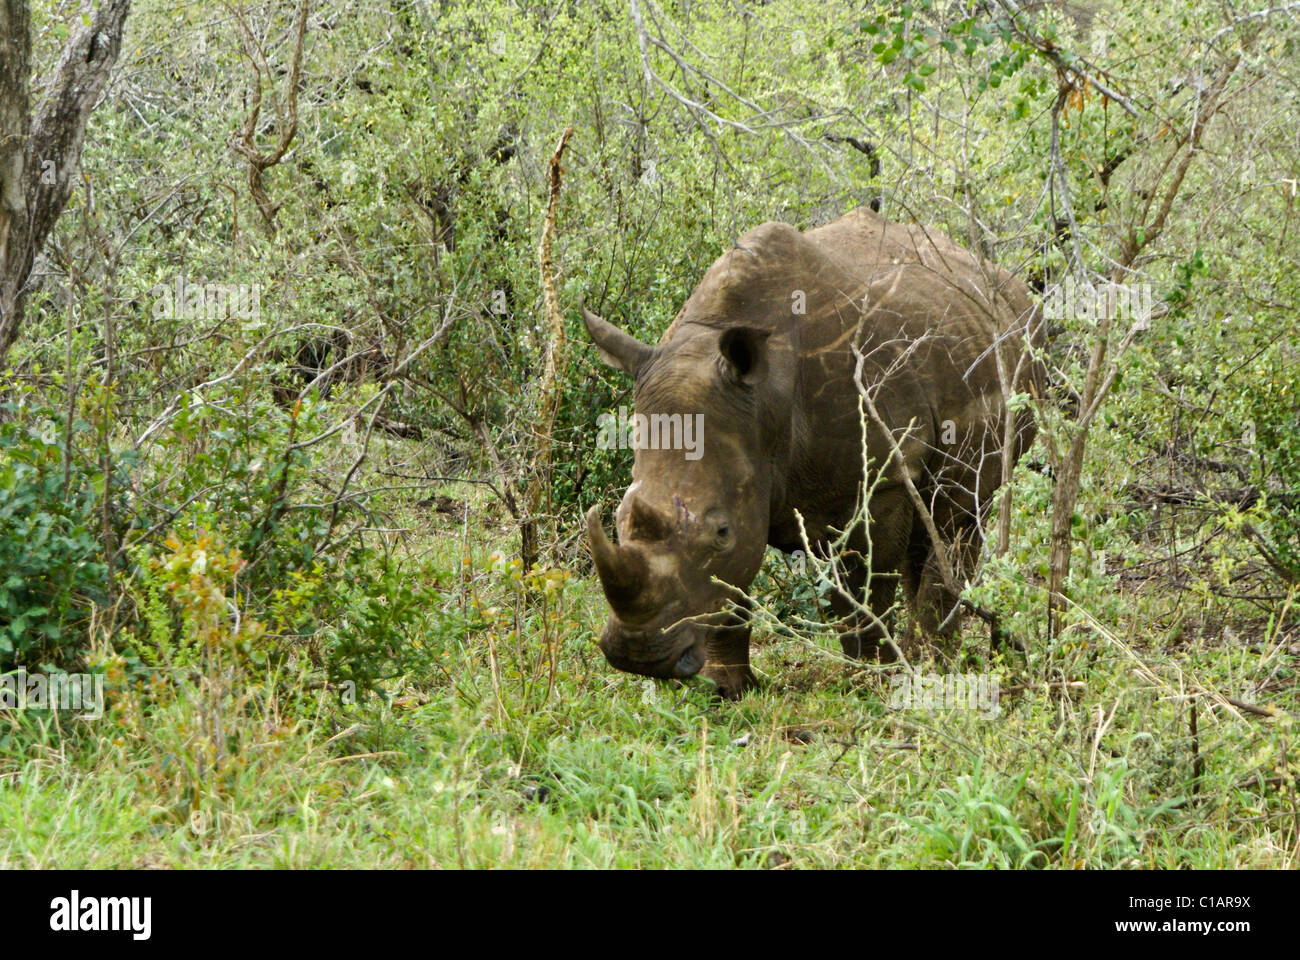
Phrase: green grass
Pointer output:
(464, 768)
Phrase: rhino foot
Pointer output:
(732, 680)
(868, 643)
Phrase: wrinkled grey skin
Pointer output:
(783, 434)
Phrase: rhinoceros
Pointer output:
(775, 348)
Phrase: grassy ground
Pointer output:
(520, 747)
(609, 770)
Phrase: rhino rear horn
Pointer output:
(620, 350)
(644, 522)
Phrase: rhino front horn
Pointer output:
(623, 571)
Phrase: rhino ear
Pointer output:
(620, 350)
(743, 354)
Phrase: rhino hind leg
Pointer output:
(931, 602)
(867, 638)
(935, 602)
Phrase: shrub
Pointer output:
(52, 564)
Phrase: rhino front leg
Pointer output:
(728, 663)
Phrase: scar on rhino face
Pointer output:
(684, 515)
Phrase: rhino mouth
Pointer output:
(645, 633)
(689, 663)
(678, 665)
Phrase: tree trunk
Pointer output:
(40, 155)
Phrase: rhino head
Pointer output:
(693, 525)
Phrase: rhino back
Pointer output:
(933, 315)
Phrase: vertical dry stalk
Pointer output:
(538, 482)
